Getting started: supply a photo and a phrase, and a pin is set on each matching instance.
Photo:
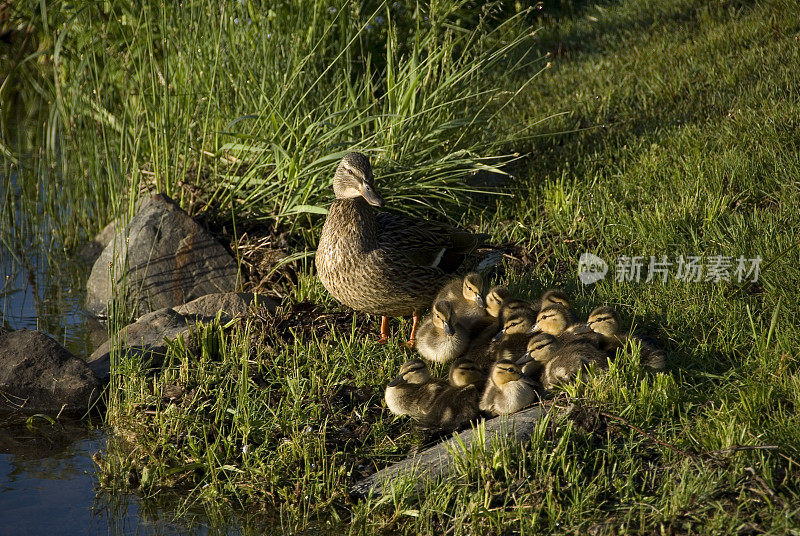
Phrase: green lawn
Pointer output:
(659, 128)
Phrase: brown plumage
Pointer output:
(379, 262)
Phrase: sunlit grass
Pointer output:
(676, 136)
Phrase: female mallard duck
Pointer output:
(413, 390)
(442, 338)
(383, 263)
(605, 321)
(507, 390)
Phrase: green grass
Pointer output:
(661, 128)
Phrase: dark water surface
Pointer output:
(48, 480)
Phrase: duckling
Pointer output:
(466, 297)
(486, 328)
(512, 341)
(551, 297)
(457, 404)
(604, 321)
(514, 305)
(494, 300)
(413, 390)
(542, 347)
(569, 360)
(441, 337)
(465, 372)
(507, 390)
(554, 319)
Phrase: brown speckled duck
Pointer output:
(379, 262)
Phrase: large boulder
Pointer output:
(162, 258)
(38, 375)
(148, 337)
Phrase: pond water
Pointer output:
(48, 480)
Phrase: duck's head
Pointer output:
(473, 288)
(413, 372)
(495, 299)
(604, 320)
(554, 296)
(554, 319)
(465, 373)
(442, 315)
(505, 371)
(512, 306)
(517, 323)
(353, 178)
(540, 348)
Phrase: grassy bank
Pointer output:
(670, 129)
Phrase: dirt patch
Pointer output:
(306, 318)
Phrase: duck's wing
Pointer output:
(425, 242)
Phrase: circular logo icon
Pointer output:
(591, 268)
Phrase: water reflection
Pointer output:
(48, 480)
(45, 293)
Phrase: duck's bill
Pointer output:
(535, 329)
(397, 381)
(582, 328)
(372, 197)
(479, 301)
(448, 329)
(524, 359)
(499, 335)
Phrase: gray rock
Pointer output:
(437, 462)
(147, 337)
(92, 250)
(38, 375)
(162, 258)
(230, 303)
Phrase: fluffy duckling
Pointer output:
(553, 296)
(466, 297)
(494, 300)
(555, 319)
(507, 390)
(512, 341)
(512, 306)
(457, 404)
(569, 360)
(542, 347)
(441, 337)
(413, 390)
(464, 372)
(483, 330)
(604, 321)
(560, 322)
